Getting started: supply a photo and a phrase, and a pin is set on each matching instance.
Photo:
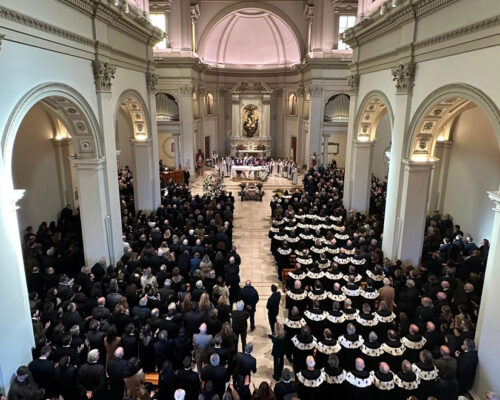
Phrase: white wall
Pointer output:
(35, 170)
(474, 169)
(383, 140)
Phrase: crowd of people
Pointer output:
(359, 325)
(172, 306)
(170, 319)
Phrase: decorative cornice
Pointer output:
(92, 164)
(353, 83)
(162, 6)
(23, 19)
(377, 25)
(151, 80)
(404, 76)
(103, 75)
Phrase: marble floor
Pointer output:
(252, 220)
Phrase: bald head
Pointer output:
(310, 362)
(118, 352)
(384, 368)
(359, 364)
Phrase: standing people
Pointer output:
(273, 307)
(250, 297)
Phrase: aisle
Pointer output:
(252, 220)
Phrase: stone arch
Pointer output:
(251, 4)
(439, 107)
(136, 107)
(73, 110)
(371, 110)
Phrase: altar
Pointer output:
(247, 171)
(251, 116)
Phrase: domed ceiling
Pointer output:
(250, 38)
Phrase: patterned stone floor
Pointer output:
(252, 220)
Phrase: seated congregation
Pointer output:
(359, 325)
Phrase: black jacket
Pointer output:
(239, 321)
(91, 377)
(273, 304)
(244, 364)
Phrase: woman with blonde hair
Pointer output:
(223, 307)
(205, 305)
(279, 350)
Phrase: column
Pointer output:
(325, 148)
(177, 155)
(187, 126)
(301, 156)
(95, 220)
(353, 82)
(309, 15)
(265, 132)
(235, 110)
(61, 148)
(152, 81)
(361, 175)
(442, 151)
(17, 339)
(194, 11)
(143, 174)
(488, 324)
(220, 111)
(414, 197)
(103, 76)
(316, 109)
(403, 75)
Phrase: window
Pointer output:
(345, 22)
(292, 104)
(160, 21)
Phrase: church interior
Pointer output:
(249, 199)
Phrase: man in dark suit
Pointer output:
(23, 387)
(67, 350)
(466, 366)
(65, 379)
(188, 380)
(239, 323)
(71, 317)
(286, 387)
(117, 371)
(244, 363)
(215, 373)
(42, 371)
(91, 378)
(250, 297)
(273, 307)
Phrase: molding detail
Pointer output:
(152, 80)
(23, 19)
(316, 90)
(187, 90)
(103, 74)
(353, 83)
(309, 13)
(404, 76)
(194, 11)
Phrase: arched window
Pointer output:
(167, 108)
(337, 108)
(292, 104)
(209, 104)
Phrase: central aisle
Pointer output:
(252, 220)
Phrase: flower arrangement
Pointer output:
(263, 175)
(240, 147)
(261, 147)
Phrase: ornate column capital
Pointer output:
(104, 73)
(404, 75)
(300, 91)
(315, 90)
(353, 83)
(309, 13)
(152, 80)
(194, 11)
(187, 90)
(162, 6)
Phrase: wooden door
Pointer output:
(207, 148)
(294, 147)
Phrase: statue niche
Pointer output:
(250, 120)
